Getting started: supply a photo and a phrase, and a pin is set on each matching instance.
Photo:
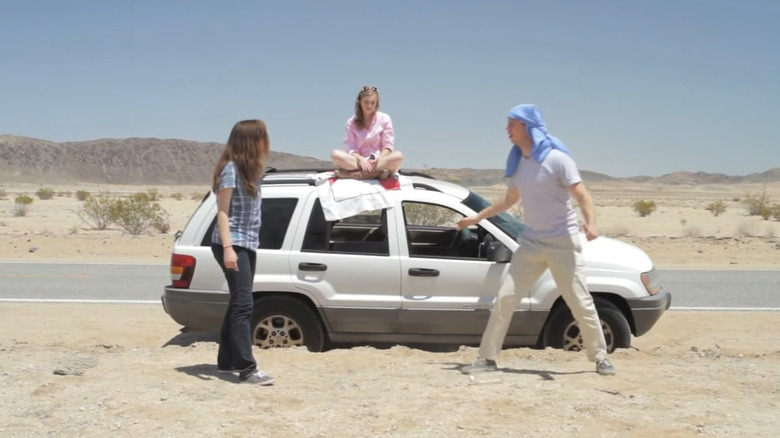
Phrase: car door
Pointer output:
(447, 284)
(350, 268)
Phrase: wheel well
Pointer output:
(615, 300)
(621, 304)
(298, 297)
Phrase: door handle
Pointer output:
(304, 266)
(423, 272)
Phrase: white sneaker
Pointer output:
(605, 368)
(480, 365)
(258, 378)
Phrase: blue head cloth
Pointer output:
(542, 140)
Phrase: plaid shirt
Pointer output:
(244, 213)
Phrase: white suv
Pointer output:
(401, 274)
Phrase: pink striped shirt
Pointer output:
(379, 135)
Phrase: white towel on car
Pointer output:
(342, 198)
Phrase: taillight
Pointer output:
(182, 268)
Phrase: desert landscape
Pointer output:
(127, 370)
(680, 233)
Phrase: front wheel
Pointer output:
(563, 332)
(280, 322)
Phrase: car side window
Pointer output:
(431, 231)
(276, 214)
(364, 233)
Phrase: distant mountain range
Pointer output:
(153, 161)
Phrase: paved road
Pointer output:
(706, 289)
(83, 281)
(745, 289)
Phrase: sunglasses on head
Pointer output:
(367, 88)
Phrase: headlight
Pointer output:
(651, 281)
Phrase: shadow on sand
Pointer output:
(207, 371)
(543, 374)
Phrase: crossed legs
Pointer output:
(390, 162)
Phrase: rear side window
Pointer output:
(363, 233)
(276, 216)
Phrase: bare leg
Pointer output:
(391, 162)
(343, 160)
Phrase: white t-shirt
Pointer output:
(544, 187)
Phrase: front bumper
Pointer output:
(648, 310)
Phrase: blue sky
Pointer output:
(632, 87)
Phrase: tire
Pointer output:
(563, 332)
(280, 322)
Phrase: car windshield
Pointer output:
(505, 221)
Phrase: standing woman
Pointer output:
(235, 241)
(369, 141)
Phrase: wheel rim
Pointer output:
(278, 331)
(572, 339)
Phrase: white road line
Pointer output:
(43, 300)
(727, 309)
(19, 262)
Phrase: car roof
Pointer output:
(309, 177)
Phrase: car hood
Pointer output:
(608, 253)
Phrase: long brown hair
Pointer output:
(248, 147)
(360, 118)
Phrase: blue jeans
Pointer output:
(235, 339)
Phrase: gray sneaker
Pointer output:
(226, 371)
(480, 365)
(605, 368)
(258, 378)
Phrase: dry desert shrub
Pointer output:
(98, 211)
(45, 193)
(644, 207)
(717, 208)
(139, 213)
(82, 195)
(757, 205)
(22, 205)
(153, 195)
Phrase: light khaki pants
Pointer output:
(563, 255)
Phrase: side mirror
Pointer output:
(498, 252)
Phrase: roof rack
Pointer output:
(311, 182)
(280, 181)
(275, 170)
(415, 173)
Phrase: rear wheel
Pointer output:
(280, 322)
(563, 332)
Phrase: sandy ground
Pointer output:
(96, 370)
(126, 370)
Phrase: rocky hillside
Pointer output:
(120, 161)
(172, 161)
